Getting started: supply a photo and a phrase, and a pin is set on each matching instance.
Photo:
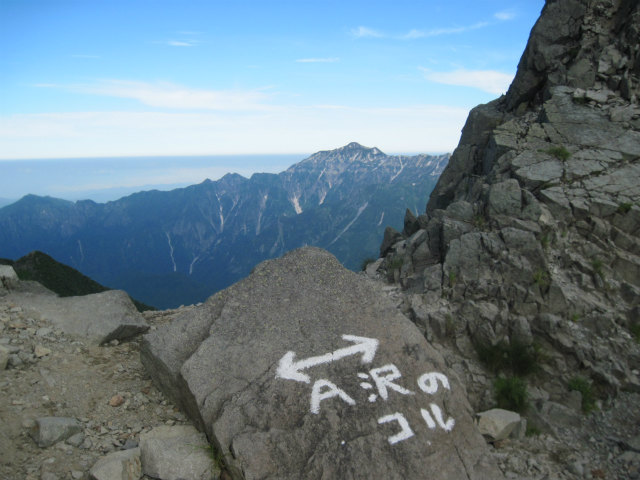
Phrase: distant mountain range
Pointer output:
(179, 247)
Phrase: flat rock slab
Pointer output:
(99, 317)
(307, 370)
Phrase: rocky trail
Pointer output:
(52, 374)
(112, 398)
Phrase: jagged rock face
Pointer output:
(307, 370)
(532, 233)
(579, 43)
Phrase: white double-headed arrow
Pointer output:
(289, 369)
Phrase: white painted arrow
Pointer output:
(289, 369)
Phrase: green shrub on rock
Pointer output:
(582, 385)
(541, 278)
(624, 207)
(511, 393)
(513, 357)
(635, 331)
(559, 152)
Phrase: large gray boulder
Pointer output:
(307, 370)
(99, 317)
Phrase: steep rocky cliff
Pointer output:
(530, 246)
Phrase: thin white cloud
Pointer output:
(169, 95)
(413, 34)
(505, 15)
(318, 60)
(182, 43)
(488, 80)
(183, 39)
(365, 32)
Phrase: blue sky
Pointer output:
(127, 78)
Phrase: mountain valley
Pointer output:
(179, 247)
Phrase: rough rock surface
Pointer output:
(497, 423)
(530, 244)
(123, 465)
(306, 370)
(99, 317)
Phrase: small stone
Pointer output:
(76, 474)
(116, 400)
(598, 96)
(28, 423)
(14, 361)
(40, 351)
(129, 444)
(497, 424)
(76, 440)
(48, 476)
(43, 332)
(49, 430)
(576, 468)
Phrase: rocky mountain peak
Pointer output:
(353, 152)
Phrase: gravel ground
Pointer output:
(108, 391)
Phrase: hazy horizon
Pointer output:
(103, 179)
